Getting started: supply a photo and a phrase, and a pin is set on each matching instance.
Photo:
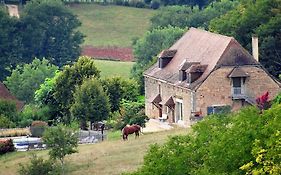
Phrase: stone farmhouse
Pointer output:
(204, 73)
(6, 95)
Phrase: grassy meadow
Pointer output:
(109, 25)
(114, 68)
(110, 157)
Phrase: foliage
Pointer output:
(26, 79)
(9, 110)
(90, 102)
(44, 98)
(277, 99)
(68, 79)
(61, 141)
(38, 128)
(6, 146)
(118, 88)
(10, 43)
(220, 144)
(33, 112)
(187, 16)
(267, 156)
(131, 113)
(39, 166)
(261, 18)
(5, 122)
(49, 30)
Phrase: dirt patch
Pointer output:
(109, 53)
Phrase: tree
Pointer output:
(261, 18)
(186, 16)
(220, 144)
(118, 88)
(44, 98)
(10, 43)
(68, 79)
(90, 103)
(49, 30)
(61, 141)
(26, 79)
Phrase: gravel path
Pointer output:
(154, 125)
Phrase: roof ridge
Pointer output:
(211, 33)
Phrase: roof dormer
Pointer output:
(165, 57)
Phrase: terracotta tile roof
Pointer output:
(206, 48)
(6, 95)
(238, 72)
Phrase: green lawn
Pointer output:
(111, 157)
(112, 25)
(114, 68)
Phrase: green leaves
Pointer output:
(90, 102)
(26, 79)
(221, 144)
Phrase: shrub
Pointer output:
(8, 109)
(39, 166)
(131, 113)
(37, 128)
(33, 112)
(220, 144)
(155, 4)
(6, 146)
(5, 122)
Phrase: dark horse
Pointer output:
(130, 130)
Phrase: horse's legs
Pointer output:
(137, 134)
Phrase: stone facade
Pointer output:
(205, 73)
(216, 89)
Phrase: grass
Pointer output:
(109, 25)
(114, 68)
(110, 157)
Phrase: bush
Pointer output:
(39, 166)
(220, 144)
(6, 146)
(155, 4)
(33, 112)
(37, 128)
(9, 110)
(131, 113)
(5, 122)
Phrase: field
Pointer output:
(110, 157)
(107, 25)
(114, 68)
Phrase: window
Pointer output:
(218, 109)
(179, 110)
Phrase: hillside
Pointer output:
(106, 158)
(111, 25)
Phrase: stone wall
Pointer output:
(154, 87)
(216, 89)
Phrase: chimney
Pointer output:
(255, 47)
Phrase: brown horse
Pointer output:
(130, 130)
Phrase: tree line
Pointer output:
(45, 29)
